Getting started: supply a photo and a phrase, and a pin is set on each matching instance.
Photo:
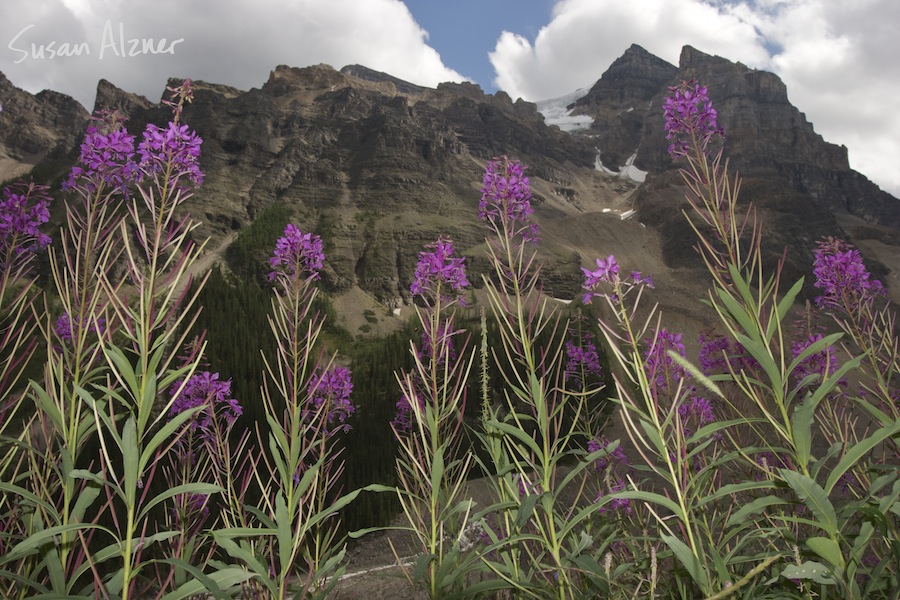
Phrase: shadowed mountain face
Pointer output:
(380, 167)
(36, 128)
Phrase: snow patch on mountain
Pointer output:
(629, 171)
(556, 112)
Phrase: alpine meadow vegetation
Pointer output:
(764, 467)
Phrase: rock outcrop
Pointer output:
(35, 128)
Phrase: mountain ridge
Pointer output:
(380, 167)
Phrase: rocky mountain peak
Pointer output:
(367, 74)
(110, 97)
(620, 100)
(33, 128)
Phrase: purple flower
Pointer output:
(614, 461)
(583, 361)
(439, 269)
(822, 363)
(637, 279)
(204, 389)
(698, 411)
(690, 118)
(332, 388)
(660, 367)
(843, 277)
(107, 156)
(607, 271)
(23, 209)
(714, 354)
(173, 151)
(65, 332)
(616, 505)
(297, 254)
(404, 419)
(506, 198)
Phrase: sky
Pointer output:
(838, 58)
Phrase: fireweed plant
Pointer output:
(769, 476)
(540, 537)
(432, 465)
(289, 540)
(113, 322)
(23, 209)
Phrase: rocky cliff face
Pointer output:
(621, 101)
(35, 128)
(375, 165)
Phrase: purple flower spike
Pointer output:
(660, 367)
(690, 118)
(63, 326)
(297, 254)
(107, 156)
(332, 388)
(23, 209)
(583, 360)
(439, 269)
(842, 276)
(615, 461)
(204, 389)
(506, 198)
(173, 151)
(698, 409)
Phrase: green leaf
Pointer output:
(28, 495)
(801, 425)
(815, 499)
(130, 460)
(86, 498)
(146, 400)
(785, 305)
(688, 559)
(518, 434)
(33, 542)
(755, 507)
(124, 368)
(214, 582)
(856, 453)
(284, 529)
(763, 356)
(164, 433)
(244, 555)
(185, 488)
(809, 570)
(828, 549)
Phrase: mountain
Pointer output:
(37, 128)
(802, 186)
(379, 167)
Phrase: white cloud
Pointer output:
(585, 36)
(836, 58)
(233, 42)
